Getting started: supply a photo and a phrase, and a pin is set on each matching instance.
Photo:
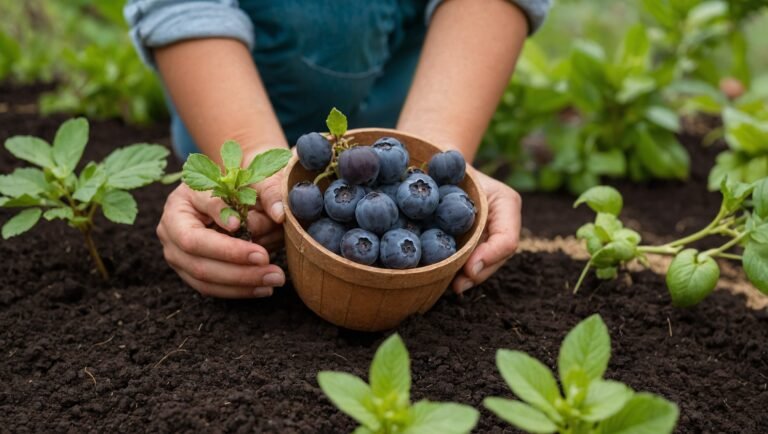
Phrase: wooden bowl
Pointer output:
(366, 298)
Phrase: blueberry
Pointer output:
(436, 245)
(314, 151)
(360, 246)
(413, 171)
(389, 189)
(328, 233)
(447, 167)
(455, 214)
(341, 198)
(376, 212)
(408, 225)
(359, 165)
(306, 201)
(393, 159)
(450, 188)
(400, 249)
(418, 196)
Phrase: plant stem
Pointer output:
(726, 246)
(702, 233)
(325, 174)
(95, 254)
(583, 275)
(659, 250)
(727, 256)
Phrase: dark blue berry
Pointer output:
(360, 246)
(306, 201)
(409, 225)
(389, 189)
(436, 245)
(376, 212)
(450, 188)
(341, 199)
(359, 165)
(455, 214)
(447, 167)
(393, 159)
(418, 196)
(328, 233)
(314, 151)
(400, 249)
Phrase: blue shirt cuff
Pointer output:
(535, 11)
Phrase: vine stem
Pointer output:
(583, 275)
(702, 233)
(95, 254)
(720, 250)
(659, 250)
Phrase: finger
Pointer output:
(211, 207)
(223, 273)
(462, 282)
(260, 224)
(271, 197)
(271, 242)
(224, 291)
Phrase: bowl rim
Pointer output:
(470, 244)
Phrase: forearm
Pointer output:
(467, 59)
(219, 95)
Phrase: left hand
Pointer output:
(502, 233)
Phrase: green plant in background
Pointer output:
(693, 274)
(55, 191)
(587, 403)
(384, 406)
(747, 138)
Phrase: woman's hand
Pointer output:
(502, 233)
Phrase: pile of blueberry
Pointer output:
(379, 211)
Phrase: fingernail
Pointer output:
(477, 268)
(258, 258)
(465, 286)
(263, 291)
(233, 222)
(277, 210)
(273, 279)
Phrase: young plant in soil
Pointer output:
(54, 191)
(233, 186)
(693, 274)
(587, 403)
(384, 406)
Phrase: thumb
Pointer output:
(271, 196)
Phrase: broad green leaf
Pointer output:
(247, 196)
(267, 164)
(635, 87)
(627, 235)
(610, 163)
(607, 225)
(587, 346)
(735, 193)
(137, 165)
(755, 261)
(607, 273)
(614, 253)
(336, 122)
(69, 144)
(391, 369)
(604, 399)
(521, 415)
(31, 149)
(602, 199)
(226, 213)
(231, 154)
(21, 222)
(119, 206)
(691, 279)
(643, 414)
(760, 198)
(441, 418)
(530, 380)
(663, 117)
(634, 49)
(661, 154)
(351, 395)
(705, 12)
(22, 201)
(744, 132)
(362, 430)
(23, 181)
(200, 173)
(58, 213)
(86, 190)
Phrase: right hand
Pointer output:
(216, 264)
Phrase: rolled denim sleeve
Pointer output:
(155, 23)
(535, 11)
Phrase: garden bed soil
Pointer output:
(146, 353)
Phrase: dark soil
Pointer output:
(146, 353)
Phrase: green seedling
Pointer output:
(54, 191)
(587, 403)
(384, 406)
(693, 274)
(233, 186)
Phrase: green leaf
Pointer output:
(391, 369)
(231, 154)
(59, 213)
(691, 279)
(351, 395)
(336, 122)
(587, 346)
(643, 414)
(614, 253)
(530, 380)
(635, 87)
(23, 181)
(760, 198)
(247, 196)
(31, 149)
(607, 273)
(200, 173)
(602, 199)
(119, 206)
(137, 165)
(22, 201)
(604, 399)
(661, 154)
(362, 430)
(521, 415)
(663, 117)
(735, 193)
(609, 224)
(21, 222)
(755, 261)
(69, 144)
(226, 213)
(92, 184)
(441, 418)
(267, 164)
(610, 163)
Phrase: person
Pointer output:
(263, 72)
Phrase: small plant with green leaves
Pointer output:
(55, 191)
(746, 160)
(587, 403)
(693, 274)
(384, 406)
(233, 185)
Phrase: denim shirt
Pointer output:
(312, 55)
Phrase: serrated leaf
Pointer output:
(136, 165)
(119, 206)
(200, 173)
(690, 279)
(521, 415)
(351, 395)
(604, 399)
(391, 369)
(602, 199)
(530, 380)
(643, 414)
(441, 418)
(23, 181)
(267, 164)
(231, 154)
(92, 184)
(69, 144)
(336, 122)
(58, 213)
(31, 149)
(755, 262)
(21, 222)
(587, 346)
(247, 196)
(226, 213)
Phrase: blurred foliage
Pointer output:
(83, 47)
